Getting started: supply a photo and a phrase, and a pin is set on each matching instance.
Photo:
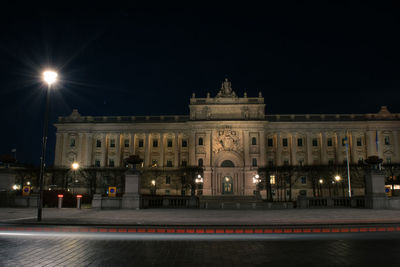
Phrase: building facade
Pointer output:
(230, 137)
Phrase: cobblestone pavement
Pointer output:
(335, 250)
(201, 216)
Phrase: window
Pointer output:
(72, 142)
(303, 180)
(111, 163)
(359, 141)
(301, 162)
(154, 163)
(98, 143)
(329, 141)
(184, 143)
(200, 161)
(97, 163)
(254, 141)
(200, 141)
(272, 179)
(286, 162)
(344, 141)
(169, 163)
(141, 142)
(254, 162)
(184, 163)
(299, 141)
(167, 180)
(314, 142)
(169, 143)
(284, 142)
(387, 140)
(167, 192)
(271, 162)
(155, 143)
(270, 142)
(112, 142)
(126, 143)
(388, 160)
(330, 162)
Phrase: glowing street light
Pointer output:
(321, 181)
(75, 166)
(49, 77)
(337, 178)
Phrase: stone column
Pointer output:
(278, 150)
(309, 149)
(176, 150)
(64, 160)
(89, 149)
(208, 149)
(147, 150)
(293, 160)
(371, 146)
(192, 149)
(324, 149)
(162, 149)
(104, 150)
(80, 149)
(132, 148)
(262, 149)
(396, 147)
(339, 157)
(246, 145)
(59, 149)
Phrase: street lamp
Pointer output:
(49, 77)
(337, 179)
(199, 181)
(75, 167)
(153, 184)
(256, 181)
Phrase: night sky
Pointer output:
(304, 58)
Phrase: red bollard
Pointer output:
(78, 201)
(60, 200)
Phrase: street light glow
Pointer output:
(321, 181)
(75, 165)
(153, 182)
(50, 76)
(337, 178)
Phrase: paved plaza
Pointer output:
(200, 216)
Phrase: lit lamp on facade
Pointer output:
(337, 178)
(321, 181)
(256, 179)
(75, 166)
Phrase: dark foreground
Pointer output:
(19, 248)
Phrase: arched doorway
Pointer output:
(227, 185)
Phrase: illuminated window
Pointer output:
(272, 179)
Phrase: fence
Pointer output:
(149, 201)
(336, 202)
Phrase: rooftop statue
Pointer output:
(226, 89)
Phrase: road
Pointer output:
(47, 248)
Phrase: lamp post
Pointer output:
(75, 167)
(153, 186)
(321, 181)
(49, 77)
(199, 181)
(256, 181)
(337, 179)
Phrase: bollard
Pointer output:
(78, 201)
(60, 199)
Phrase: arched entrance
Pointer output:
(227, 174)
(227, 185)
